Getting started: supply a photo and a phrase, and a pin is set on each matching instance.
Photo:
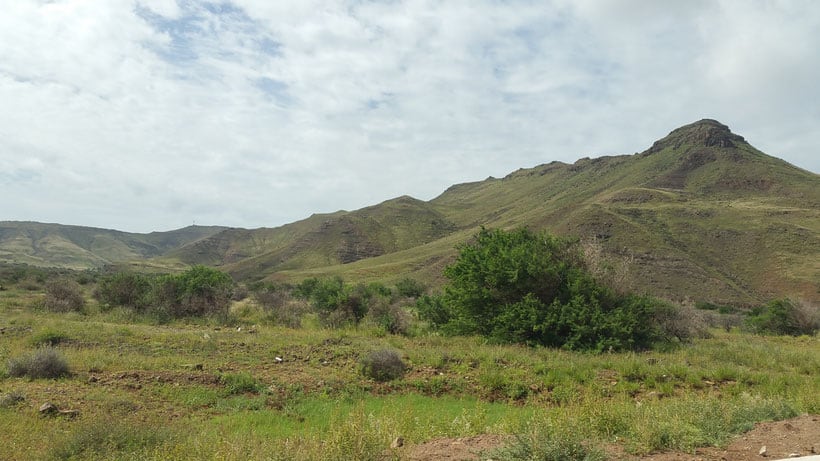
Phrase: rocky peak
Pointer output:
(703, 133)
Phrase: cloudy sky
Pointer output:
(145, 115)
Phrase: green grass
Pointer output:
(208, 391)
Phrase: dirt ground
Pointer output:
(783, 439)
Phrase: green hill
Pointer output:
(701, 214)
(76, 247)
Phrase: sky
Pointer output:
(152, 115)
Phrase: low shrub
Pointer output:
(785, 317)
(63, 295)
(45, 362)
(383, 365)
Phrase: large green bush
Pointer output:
(519, 286)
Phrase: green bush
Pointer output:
(383, 365)
(410, 288)
(338, 303)
(63, 295)
(45, 362)
(199, 291)
(785, 317)
(523, 287)
(126, 289)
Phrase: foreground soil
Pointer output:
(782, 439)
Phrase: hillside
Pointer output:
(76, 247)
(700, 214)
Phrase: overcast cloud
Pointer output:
(146, 115)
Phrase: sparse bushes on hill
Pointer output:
(785, 317)
(63, 295)
(45, 362)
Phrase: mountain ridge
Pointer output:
(687, 210)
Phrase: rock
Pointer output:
(763, 451)
(48, 409)
(398, 442)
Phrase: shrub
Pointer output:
(338, 303)
(280, 307)
(410, 288)
(45, 362)
(785, 317)
(383, 365)
(63, 295)
(531, 288)
(125, 289)
(392, 317)
(199, 291)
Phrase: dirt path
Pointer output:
(783, 439)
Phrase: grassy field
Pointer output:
(248, 390)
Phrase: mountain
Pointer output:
(700, 214)
(76, 247)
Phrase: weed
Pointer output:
(49, 337)
(240, 383)
(546, 443)
(45, 362)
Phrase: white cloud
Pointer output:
(148, 115)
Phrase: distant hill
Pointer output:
(76, 247)
(701, 214)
